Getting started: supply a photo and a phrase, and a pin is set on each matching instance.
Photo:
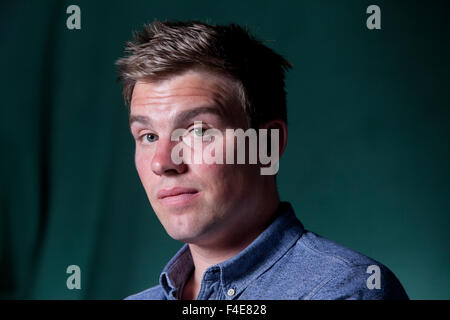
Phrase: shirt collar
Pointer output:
(239, 271)
(176, 272)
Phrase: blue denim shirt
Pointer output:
(284, 262)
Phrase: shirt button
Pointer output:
(230, 292)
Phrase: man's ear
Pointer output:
(283, 134)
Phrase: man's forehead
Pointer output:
(188, 86)
(176, 102)
(189, 90)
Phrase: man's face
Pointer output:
(196, 203)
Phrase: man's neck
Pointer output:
(207, 256)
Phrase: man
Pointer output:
(241, 242)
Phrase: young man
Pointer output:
(241, 242)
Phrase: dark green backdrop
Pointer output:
(367, 163)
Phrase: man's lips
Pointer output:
(177, 196)
(165, 193)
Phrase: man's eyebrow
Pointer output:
(141, 119)
(181, 117)
(187, 115)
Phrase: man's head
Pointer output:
(178, 73)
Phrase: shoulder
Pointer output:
(318, 268)
(345, 273)
(153, 293)
(320, 249)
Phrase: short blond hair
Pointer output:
(164, 49)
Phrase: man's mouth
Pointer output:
(176, 195)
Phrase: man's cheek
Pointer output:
(219, 178)
(212, 173)
(143, 167)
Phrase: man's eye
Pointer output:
(150, 137)
(199, 131)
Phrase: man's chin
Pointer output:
(183, 237)
(183, 230)
(193, 234)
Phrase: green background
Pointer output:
(367, 162)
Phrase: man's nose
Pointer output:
(162, 163)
